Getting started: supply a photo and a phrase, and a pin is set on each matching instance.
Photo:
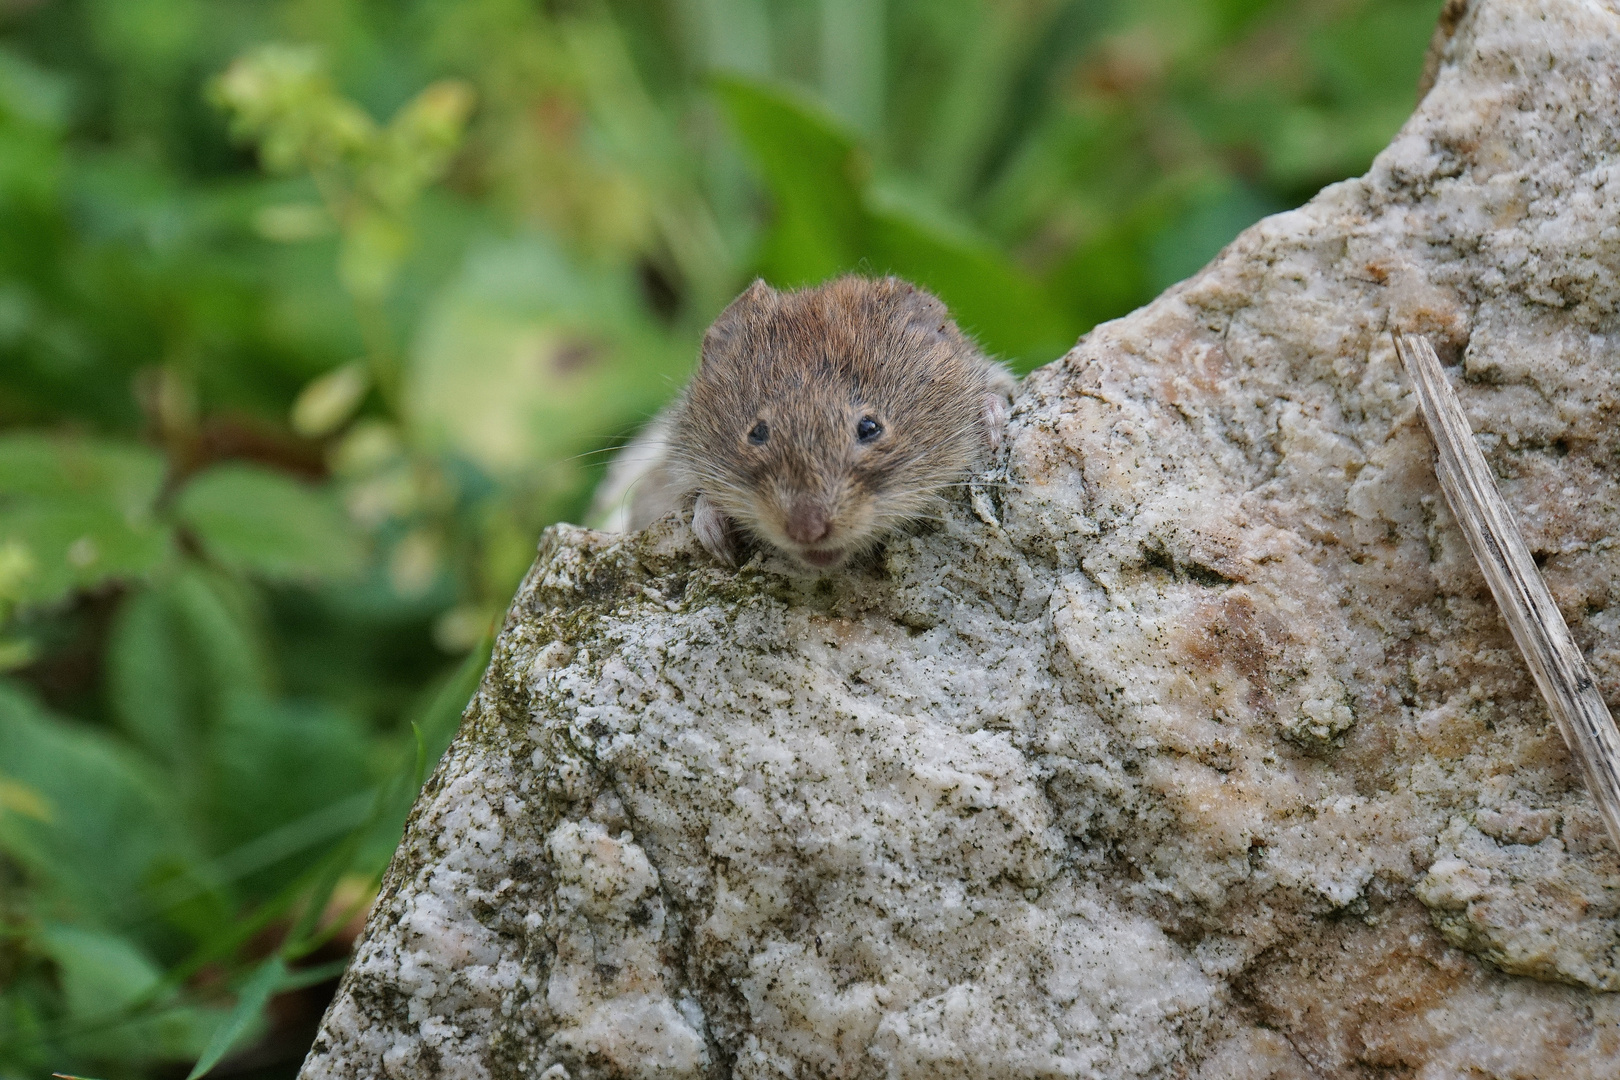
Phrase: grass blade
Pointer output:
(250, 1002)
(1539, 630)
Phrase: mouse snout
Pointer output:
(807, 523)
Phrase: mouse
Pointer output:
(822, 419)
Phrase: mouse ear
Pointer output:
(920, 308)
(756, 298)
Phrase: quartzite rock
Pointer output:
(1191, 745)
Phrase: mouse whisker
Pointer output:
(607, 451)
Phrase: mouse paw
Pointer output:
(714, 531)
(994, 418)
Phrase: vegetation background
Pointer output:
(313, 313)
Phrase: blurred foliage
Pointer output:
(314, 312)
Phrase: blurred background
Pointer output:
(313, 313)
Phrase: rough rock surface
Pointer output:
(1191, 745)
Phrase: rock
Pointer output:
(1191, 744)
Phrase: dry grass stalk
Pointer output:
(1498, 546)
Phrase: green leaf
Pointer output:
(274, 763)
(526, 359)
(149, 682)
(75, 512)
(31, 95)
(264, 522)
(1007, 310)
(328, 402)
(314, 976)
(378, 835)
(108, 826)
(214, 612)
(250, 1002)
(21, 799)
(439, 721)
(42, 466)
(815, 172)
(830, 218)
(1210, 218)
(177, 655)
(101, 974)
(421, 756)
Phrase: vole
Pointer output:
(820, 420)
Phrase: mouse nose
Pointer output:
(807, 523)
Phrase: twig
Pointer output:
(1498, 546)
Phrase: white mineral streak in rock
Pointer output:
(1198, 749)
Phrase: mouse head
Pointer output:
(820, 419)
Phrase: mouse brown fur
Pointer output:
(819, 420)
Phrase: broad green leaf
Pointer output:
(101, 974)
(216, 615)
(177, 655)
(264, 522)
(36, 465)
(1123, 265)
(75, 512)
(1106, 276)
(1004, 308)
(815, 172)
(1210, 217)
(116, 1008)
(150, 683)
(527, 359)
(830, 218)
(30, 94)
(108, 824)
(78, 541)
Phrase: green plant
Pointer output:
(313, 315)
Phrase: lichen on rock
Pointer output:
(1189, 743)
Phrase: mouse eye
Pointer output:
(868, 429)
(759, 434)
